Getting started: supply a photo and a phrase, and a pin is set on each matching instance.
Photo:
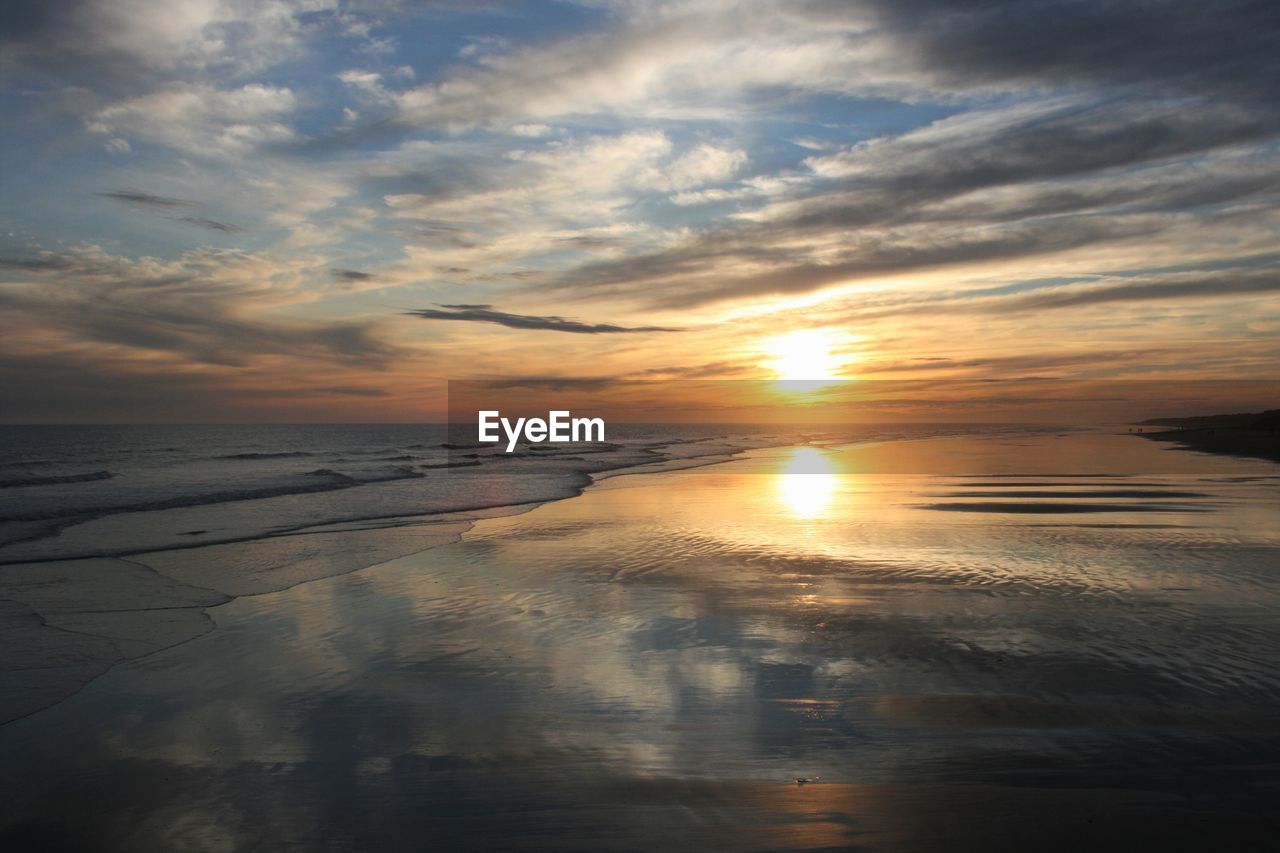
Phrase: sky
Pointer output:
(314, 210)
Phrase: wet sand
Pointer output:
(1080, 650)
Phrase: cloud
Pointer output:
(586, 179)
(713, 370)
(482, 208)
(141, 199)
(682, 59)
(352, 275)
(1167, 44)
(987, 186)
(119, 46)
(1058, 139)
(911, 166)
(1020, 365)
(1116, 112)
(135, 198)
(486, 314)
(1201, 288)
(531, 131)
(368, 80)
(212, 224)
(1198, 285)
(201, 119)
(208, 307)
(357, 391)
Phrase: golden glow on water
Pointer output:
(807, 483)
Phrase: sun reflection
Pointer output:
(808, 482)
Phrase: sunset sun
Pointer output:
(806, 355)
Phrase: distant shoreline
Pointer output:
(1256, 436)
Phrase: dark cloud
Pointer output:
(212, 224)
(352, 275)
(714, 370)
(141, 199)
(892, 179)
(485, 314)
(116, 49)
(1217, 285)
(1226, 47)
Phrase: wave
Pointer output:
(27, 463)
(329, 472)
(55, 480)
(286, 454)
(332, 481)
(399, 473)
(565, 474)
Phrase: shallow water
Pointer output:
(1030, 643)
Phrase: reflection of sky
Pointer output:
(695, 643)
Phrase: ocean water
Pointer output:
(96, 491)
(55, 479)
(1011, 639)
(114, 539)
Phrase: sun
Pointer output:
(805, 355)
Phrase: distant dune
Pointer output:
(1254, 435)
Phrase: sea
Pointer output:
(891, 638)
(100, 491)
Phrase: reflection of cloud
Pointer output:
(538, 679)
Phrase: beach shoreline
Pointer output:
(656, 662)
(166, 564)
